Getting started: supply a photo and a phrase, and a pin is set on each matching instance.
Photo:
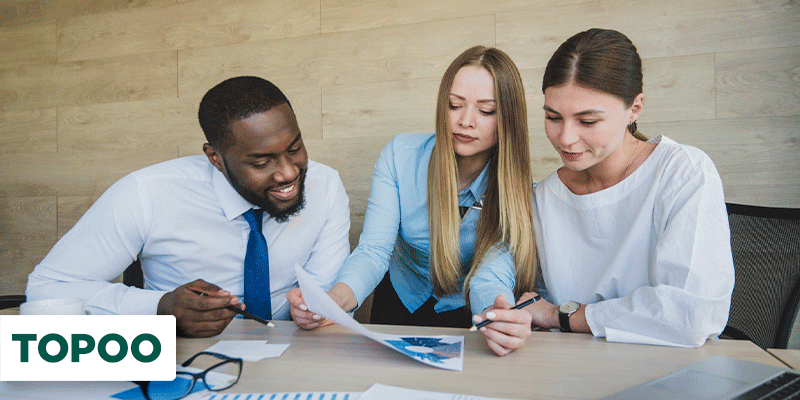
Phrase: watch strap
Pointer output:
(563, 320)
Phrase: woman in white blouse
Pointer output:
(632, 234)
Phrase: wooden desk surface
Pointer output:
(790, 357)
(552, 365)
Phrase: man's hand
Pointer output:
(340, 293)
(199, 308)
(509, 329)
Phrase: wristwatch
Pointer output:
(564, 312)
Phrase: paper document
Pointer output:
(381, 392)
(206, 395)
(445, 352)
(248, 350)
(63, 390)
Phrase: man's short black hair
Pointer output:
(234, 99)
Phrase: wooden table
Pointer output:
(789, 357)
(551, 365)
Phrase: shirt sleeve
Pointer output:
(105, 241)
(692, 269)
(333, 244)
(496, 276)
(365, 268)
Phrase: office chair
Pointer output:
(11, 301)
(766, 256)
(133, 275)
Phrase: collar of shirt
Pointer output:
(233, 204)
(474, 192)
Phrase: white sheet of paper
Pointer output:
(248, 350)
(380, 392)
(445, 352)
(63, 390)
(208, 395)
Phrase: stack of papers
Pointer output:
(248, 350)
(376, 392)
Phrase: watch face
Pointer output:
(569, 307)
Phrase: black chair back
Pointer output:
(766, 255)
(133, 275)
(11, 301)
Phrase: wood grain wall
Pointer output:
(92, 90)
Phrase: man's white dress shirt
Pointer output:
(183, 221)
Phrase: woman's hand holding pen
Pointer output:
(510, 328)
(199, 308)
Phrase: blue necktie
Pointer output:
(256, 268)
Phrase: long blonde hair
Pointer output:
(507, 216)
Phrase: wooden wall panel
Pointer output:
(20, 12)
(71, 173)
(657, 28)
(678, 88)
(380, 109)
(28, 43)
(156, 124)
(394, 53)
(28, 131)
(355, 159)
(194, 24)
(92, 90)
(28, 218)
(28, 86)
(192, 146)
(130, 78)
(758, 158)
(17, 259)
(147, 76)
(346, 15)
(758, 83)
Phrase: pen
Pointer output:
(244, 313)
(516, 307)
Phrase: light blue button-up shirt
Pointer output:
(396, 236)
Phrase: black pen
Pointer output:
(516, 307)
(244, 313)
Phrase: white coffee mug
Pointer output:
(60, 306)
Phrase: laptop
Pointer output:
(718, 378)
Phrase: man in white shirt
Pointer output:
(183, 220)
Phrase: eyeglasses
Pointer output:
(220, 375)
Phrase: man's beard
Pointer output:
(280, 215)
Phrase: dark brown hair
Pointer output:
(599, 59)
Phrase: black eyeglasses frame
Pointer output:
(144, 385)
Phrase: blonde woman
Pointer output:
(442, 205)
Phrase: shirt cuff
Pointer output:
(597, 329)
(135, 302)
(356, 286)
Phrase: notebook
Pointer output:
(717, 378)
